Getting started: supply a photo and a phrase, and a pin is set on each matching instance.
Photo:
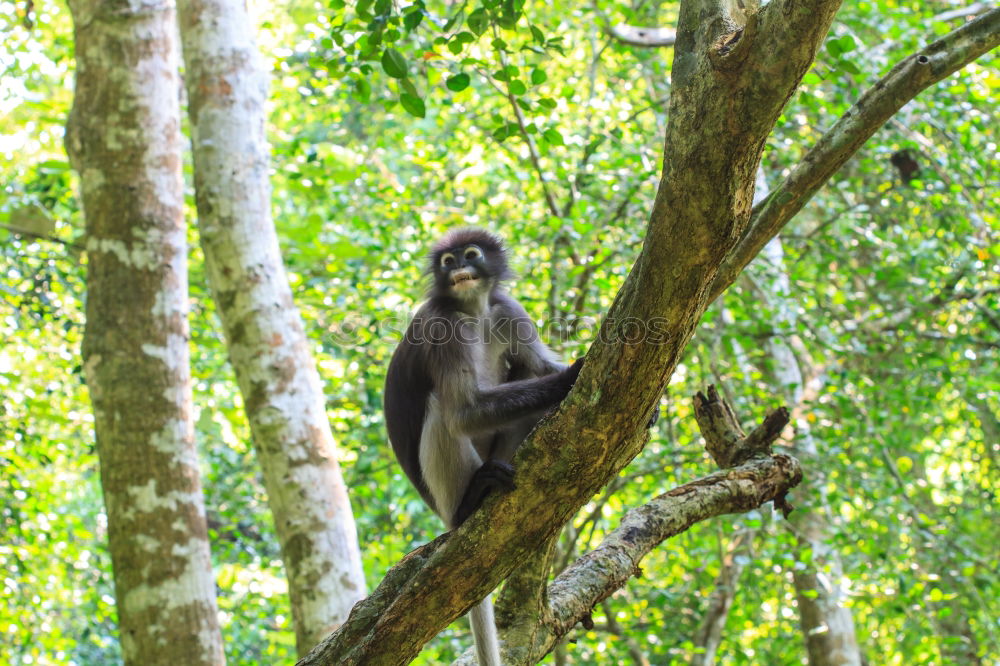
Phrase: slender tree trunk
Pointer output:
(709, 634)
(826, 623)
(268, 348)
(124, 139)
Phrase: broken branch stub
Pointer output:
(725, 440)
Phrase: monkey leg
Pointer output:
(493, 475)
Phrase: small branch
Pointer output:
(597, 574)
(645, 37)
(963, 12)
(908, 78)
(42, 237)
(589, 145)
(708, 636)
(550, 200)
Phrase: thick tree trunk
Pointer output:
(124, 139)
(281, 388)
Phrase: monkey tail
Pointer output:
(484, 629)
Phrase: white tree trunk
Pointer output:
(281, 388)
(124, 139)
(826, 622)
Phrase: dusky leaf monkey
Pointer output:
(465, 386)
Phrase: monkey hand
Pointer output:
(567, 377)
(493, 475)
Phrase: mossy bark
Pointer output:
(282, 391)
(124, 139)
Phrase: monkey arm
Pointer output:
(528, 355)
(497, 406)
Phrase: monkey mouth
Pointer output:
(463, 280)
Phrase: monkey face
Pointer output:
(464, 269)
(467, 263)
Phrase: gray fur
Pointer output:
(484, 629)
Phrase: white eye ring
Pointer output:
(447, 259)
(472, 253)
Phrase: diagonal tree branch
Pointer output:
(597, 574)
(908, 78)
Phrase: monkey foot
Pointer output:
(493, 475)
(496, 474)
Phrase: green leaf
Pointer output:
(459, 82)
(412, 20)
(510, 14)
(847, 44)
(459, 41)
(362, 90)
(413, 105)
(553, 137)
(538, 76)
(517, 87)
(394, 63)
(508, 20)
(538, 35)
(407, 86)
(849, 67)
(478, 21)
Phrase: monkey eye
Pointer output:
(447, 259)
(472, 253)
